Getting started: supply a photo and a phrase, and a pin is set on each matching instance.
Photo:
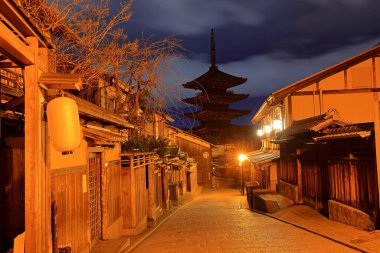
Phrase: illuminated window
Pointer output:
(277, 124)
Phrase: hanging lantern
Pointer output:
(63, 124)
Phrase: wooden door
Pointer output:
(95, 196)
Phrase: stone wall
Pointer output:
(288, 190)
(351, 216)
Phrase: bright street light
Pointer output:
(242, 158)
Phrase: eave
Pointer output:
(207, 114)
(23, 23)
(98, 113)
(209, 98)
(214, 78)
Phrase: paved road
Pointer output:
(214, 222)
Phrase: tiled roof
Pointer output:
(302, 126)
(362, 130)
(215, 78)
(259, 157)
(312, 124)
(212, 114)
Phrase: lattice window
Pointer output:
(95, 197)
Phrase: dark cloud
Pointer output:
(248, 27)
(273, 42)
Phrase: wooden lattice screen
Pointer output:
(95, 197)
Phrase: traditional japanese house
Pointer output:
(214, 99)
(61, 198)
(200, 151)
(25, 184)
(265, 160)
(329, 148)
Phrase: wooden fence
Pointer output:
(134, 190)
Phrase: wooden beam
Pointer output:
(61, 81)
(5, 65)
(96, 112)
(2, 57)
(11, 91)
(10, 43)
(14, 103)
(340, 91)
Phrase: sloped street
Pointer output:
(216, 222)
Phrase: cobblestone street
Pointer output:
(214, 222)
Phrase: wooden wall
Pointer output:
(288, 170)
(112, 192)
(12, 195)
(72, 207)
(355, 184)
(196, 151)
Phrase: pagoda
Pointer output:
(214, 98)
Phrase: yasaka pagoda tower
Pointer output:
(214, 99)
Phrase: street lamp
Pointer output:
(242, 158)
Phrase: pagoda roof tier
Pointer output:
(214, 79)
(223, 134)
(211, 98)
(207, 114)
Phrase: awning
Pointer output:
(260, 157)
(102, 134)
(363, 130)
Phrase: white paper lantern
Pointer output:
(63, 124)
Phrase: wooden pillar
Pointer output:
(165, 197)
(299, 176)
(133, 190)
(377, 145)
(37, 176)
(103, 200)
(374, 80)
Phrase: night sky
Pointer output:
(272, 43)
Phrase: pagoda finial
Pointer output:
(213, 53)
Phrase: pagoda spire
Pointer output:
(213, 51)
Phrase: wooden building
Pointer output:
(328, 139)
(25, 189)
(200, 151)
(215, 98)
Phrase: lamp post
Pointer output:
(242, 158)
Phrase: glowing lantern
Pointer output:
(63, 124)
(277, 124)
(260, 132)
(267, 129)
